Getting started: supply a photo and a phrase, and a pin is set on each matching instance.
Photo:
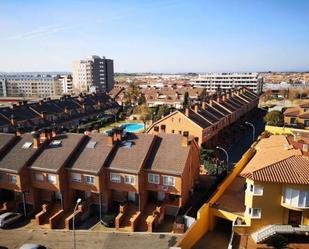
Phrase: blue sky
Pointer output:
(156, 35)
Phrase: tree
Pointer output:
(132, 94)
(144, 112)
(162, 110)
(278, 242)
(274, 118)
(186, 100)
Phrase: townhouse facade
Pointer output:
(204, 121)
(133, 175)
(297, 116)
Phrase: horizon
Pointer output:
(157, 37)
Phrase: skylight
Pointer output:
(55, 143)
(91, 144)
(27, 145)
(127, 144)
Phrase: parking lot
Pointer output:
(56, 239)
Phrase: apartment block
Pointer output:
(141, 177)
(204, 121)
(224, 81)
(93, 74)
(29, 85)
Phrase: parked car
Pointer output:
(9, 218)
(32, 246)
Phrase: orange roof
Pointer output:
(268, 152)
(293, 170)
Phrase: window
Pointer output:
(153, 178)
(13, 179)
(254, 212)
(169, 180)
(296, 198)
(128, 179)
(89, 179)
(115, 178)
(39, 177)
(258, 190)
(75, 177)
(52, 179)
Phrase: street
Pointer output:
(56, 239)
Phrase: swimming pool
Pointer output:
(131, 127)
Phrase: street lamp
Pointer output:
(253, 130)
(77, 202)
(227, 156)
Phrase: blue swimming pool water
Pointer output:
(133, 127)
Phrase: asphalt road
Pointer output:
(13, 239)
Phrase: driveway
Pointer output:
(56, 239)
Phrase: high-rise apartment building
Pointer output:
(93, 74)
(29, 85)
(225, 81)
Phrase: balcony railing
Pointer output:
(271, 230)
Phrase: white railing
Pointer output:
(271, 230)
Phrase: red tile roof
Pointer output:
(293, 170)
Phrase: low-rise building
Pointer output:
(142, 177)
(205, 121)
(297, 116)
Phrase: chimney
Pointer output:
(20, 103)
(36, 139)
(185, 139)
(18, 131)
(110, 138)
(43, 115)
(41, 102)
(218, 99)
(25, 102)
(13, 106)
(223, 97)
(49, 133)
(204, 105)
(43, 135)
(66, 109)
(196, 108)
(54, 132)
(187, 111)
(118, 132)
(210, 102)
(13, 120)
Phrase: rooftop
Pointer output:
(168, 155)
(57, 152)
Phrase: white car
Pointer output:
(9, 218)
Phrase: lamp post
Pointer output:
(77, 202)
(227, 156)
(253, 130)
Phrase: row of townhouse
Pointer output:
(67, 111)
(143, 177)
(204, 121)
(297, 116)
(267, 193)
